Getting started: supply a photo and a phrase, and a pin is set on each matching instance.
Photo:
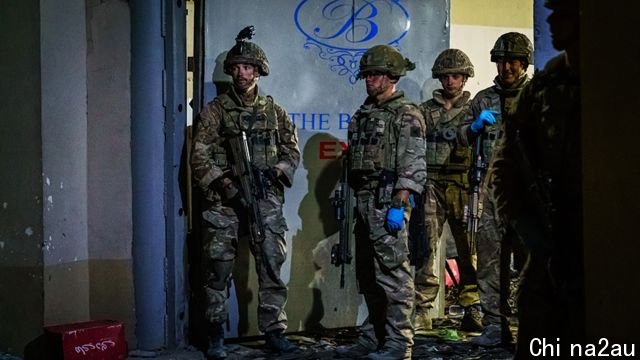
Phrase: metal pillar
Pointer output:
(175, 169)
(148, 168)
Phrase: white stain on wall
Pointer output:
(4, 205)
(28, 231)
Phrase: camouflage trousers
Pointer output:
(445, 201)
(496, 242)
(384, 277)
(223, 226)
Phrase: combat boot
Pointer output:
(422, 323)
(492, 336)
(276, 341)
(472, 319)
(216, 350)
(355, 351)
(390, 354)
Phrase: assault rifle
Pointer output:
(475, 180)
(341, 252)
(251, 184)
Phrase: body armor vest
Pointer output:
(503, 101)
(260, 124)
(443, 154)
(373, 144)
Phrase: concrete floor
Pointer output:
(444, 342)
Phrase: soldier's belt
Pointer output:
(449, 169)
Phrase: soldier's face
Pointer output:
(377, 83)
(452, 84)
(509, 70)
(245, 76)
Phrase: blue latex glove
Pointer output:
(485, 118)
(395, 217)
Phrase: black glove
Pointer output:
(271, 174)
(227, 192)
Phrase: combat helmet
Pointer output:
(513, 45)
(385, 59)
(245, 52)
(452, 61)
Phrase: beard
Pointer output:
(373, 90)
(243, 84)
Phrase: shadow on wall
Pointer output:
(319, 301)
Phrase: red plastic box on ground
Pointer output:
(96, 340)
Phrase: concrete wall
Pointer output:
(109, 214)
(64, 161)
(65, 208)
(21, 222)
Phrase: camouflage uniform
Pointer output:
(447, 188)
(495, 240)
(273, 143)
(385, 138)
(492, 233)
(446, 196)
(548, 216)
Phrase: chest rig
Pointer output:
(443, 156)
(260, 124)
(503, 101)
(373, 138)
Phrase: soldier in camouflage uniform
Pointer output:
(386, 166)
(512, 53)
(447, 188)
(538, 189)
(273, 145)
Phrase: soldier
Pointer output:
(512, 54)
(272, 143)
(386, 166)
(538, 189)
(447, 189)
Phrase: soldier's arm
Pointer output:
(411, 164)
(203, 166)
(508, 188)
(288, 151)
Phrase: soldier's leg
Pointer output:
(372, 332)
(269, 257)
(456, 198)
(489, 266)
(220, 232)
(427, 282)
(394, 276)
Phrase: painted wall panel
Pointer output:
(314, 47)
(64, 157)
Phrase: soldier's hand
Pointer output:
(395, 219)
(486, 117)
(273, 174)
